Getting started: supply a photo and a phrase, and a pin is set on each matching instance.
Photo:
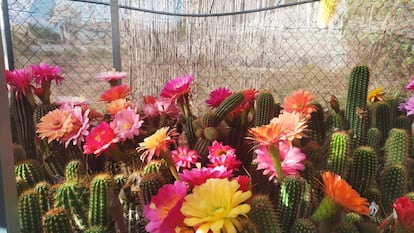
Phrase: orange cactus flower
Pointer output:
(266, 134)
(54, 125)
(117, 105)
(157, 142)
(293, 125)
(117, 92)
(343, 194)
(299, 101)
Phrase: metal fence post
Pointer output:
(6, 34)
(116, 40)
(9, 216)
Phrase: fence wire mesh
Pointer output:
(280, 50)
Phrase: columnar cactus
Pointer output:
(263, 214)
(374, 138)
(317, 125)
(29, 212)
(396, 147)
(30, 171)
(265, 108)
(21, 185)
(101, 188)
(292, 194)
(149, 185)
(381, 117)
(303, 225)
(393, 184)
(226, 106)
(57, 220)
(334, 122)
(74, 171)
(363, 169)
(45, 200)
(356, 104)
(339, 152)
(69, 196)
(189, 130)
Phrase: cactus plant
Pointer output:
(317, 125)
(30, 171)
(226, 106)
(29, 212)
(339, 152)
(149, 185)
(363, 169)
(374, 138)
(381, 118)
(74, 171)
(303, 225)
(263, 215)
(396, 147)
(45, 200)
(356, 103)
(265, 109)
(57, 220)
(101, 188)
(393, 184)
(96, 229)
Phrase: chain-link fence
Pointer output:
(280, 49)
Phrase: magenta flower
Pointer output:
(410, 86)
(44, 73)
(408, 105)
(112, 75)
(164, 213)
(177, 87)
(220, 154)
(217, 96)
(199, 175)
(19, 80)
(184, 157)
(291, 158)
(100, 138)
(80, 121)
(126, 124)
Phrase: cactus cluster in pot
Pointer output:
(252, 162)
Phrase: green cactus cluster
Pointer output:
(57, 220)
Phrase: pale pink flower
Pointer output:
(184, 157)
(70, 101)
(112, 75)
(292, 125)
(176, 87)
(79, 131)
(164, 213)
(167, 106)
(199, 175)
(220, 154)
(217, 96)
(291, 160)
(127, 124)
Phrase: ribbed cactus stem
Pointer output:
(363, 169)
(356, 104)
(21, 185)
(74, 171)
(396, 147)
(148, 186)
(346, 227)
(263, 215)
(246, 225)
(57, 220)
(304, 225)
(327, 208)
(339, 152)
(96, 229)
(374, 138)
(100, 197)
(393, 184)
(226, 107)
(190, 131)
(69, 196)
(381, 117)
(265, 109)
(292, 193)
(334, 122)
(45, 200)
(30, 212)
(317, 125)
(30, 171)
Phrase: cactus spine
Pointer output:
(356, 104)
(339, 150)
(101, 188)
(291, 196)
(43, 190)
(265, 109)
(148, 186)
(30, 171)
(263, 214)
(29, 212)
(363, 169)
(73, 171)
(227, 106)
(303, 225)
(56, 220)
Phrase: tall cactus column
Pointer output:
(100, 197)
(356, 106)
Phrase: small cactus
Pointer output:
(43, 190)
(30, 171)
(363, 169)
(265, 109)
(339, 152)
(381, 118)
(30, 212)
(57, 220)
(74, 171)
(393, 184)
(263, 215)
(101, 188)
(303, 225)
(374, 138)
(396, 147)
